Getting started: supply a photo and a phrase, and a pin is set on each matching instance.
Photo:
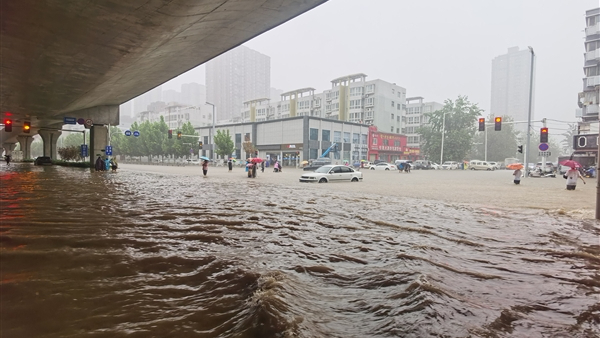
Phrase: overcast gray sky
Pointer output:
(437, 49)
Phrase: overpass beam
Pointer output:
(25, 143)
(50, 137)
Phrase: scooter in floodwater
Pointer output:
(538, 172)
(589, 172)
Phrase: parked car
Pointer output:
(332, 173)
(43, 160)
(422, 164)
(496, 165)
(378, 161)
(317, 164)
(367, 165)
(435, 166)
(194, 162)
(481, 165)
(384, 166)
(450, 165)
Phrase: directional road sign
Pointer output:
(108, 150)
(69, 120)
(136, 133)
(84, 150)
(127, 132)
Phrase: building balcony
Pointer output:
(590, 110)
(591, 30)
(591, 81)
(593, 55)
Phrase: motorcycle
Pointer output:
(540, 173)
(589, 172)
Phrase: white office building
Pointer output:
(511, 79)
(415, 118)
(234, 77)
(176, 115)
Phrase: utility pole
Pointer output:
(443, 135)
(214, 145)
(528, 148)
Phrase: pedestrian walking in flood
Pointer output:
(262, 166)
(205, 167)
(7, 159)
(572, 175)
(230, 164)
(99, 165)
(254, 170)
(517, 174)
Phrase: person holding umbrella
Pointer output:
(572, 175)
(205, 167)
(517, 173)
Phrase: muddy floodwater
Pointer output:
(153, 251)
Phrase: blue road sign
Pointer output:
(127, 132)
(84, 150)
(543, 146)
(69, 120)
(136, 133)
(108, 150)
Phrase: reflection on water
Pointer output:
(149, 255)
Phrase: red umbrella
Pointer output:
(256, 160)
(570, 163)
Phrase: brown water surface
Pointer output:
(155, 251)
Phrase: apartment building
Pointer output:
(176, 115)
(236, 76)
(588, 99)
(415, 117)
(351, 98)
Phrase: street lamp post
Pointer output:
(443, 136)
(213, 131)
(527, 149)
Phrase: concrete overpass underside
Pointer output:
(84, 58)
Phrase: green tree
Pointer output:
(457, 119)
(73, 139)
(70, 153)
(500, 144)
(224, 143)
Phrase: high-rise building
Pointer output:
(142, 102)
(240, 75)
(193, 94)
(588, 99)
(511, 79)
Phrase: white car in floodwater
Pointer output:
(332, 173)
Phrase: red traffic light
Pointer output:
(8, 125)
(481, 124)
(544, 135)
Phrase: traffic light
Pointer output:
(498, 123)
(26, 127)
(199, 144)
(8, 125)
(520, 149)
(481, 124)
(170, 133)
(179, 135)
(544, 135)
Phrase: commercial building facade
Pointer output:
(294, 139)
(588, 99)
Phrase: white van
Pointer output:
(481, 165)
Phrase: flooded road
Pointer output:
(162, 252)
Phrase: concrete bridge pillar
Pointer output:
(25, 142)
(50, 137)
(8, 148)
(98, 141)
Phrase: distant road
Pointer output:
(481, 188)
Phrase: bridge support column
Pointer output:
(25, 143)
(98, 141)
(50, 137)
(8, 148)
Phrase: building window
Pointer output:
(392, 130)
(393, 91)
(369, 101)
(325, 135)
(337, 136)
(354, 104)
(396, 143)
(385, 142)
(393, 104)
(398, 106)
(397, 130)
(392, 116)
(363, 139)
(238, 138)
(370, 88)
(374, 141)
(314, 134)
(346, 137)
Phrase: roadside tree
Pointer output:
(224, 143)
(457, 119)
